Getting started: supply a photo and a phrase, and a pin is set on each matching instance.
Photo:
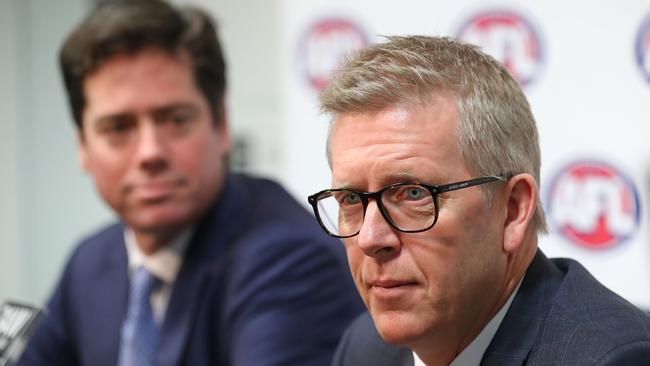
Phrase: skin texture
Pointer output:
(431, 291)
(149, 143)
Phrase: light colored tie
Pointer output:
(139, 330)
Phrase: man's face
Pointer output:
(436, 285)
(149, 141)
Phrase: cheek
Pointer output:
(107, 169)
(440, 261)
(354, 255)
(200, 155)
(465, 258)
(192, 157)
(434, 263)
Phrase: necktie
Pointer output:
(139, 330)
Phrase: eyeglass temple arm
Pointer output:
(472, 182)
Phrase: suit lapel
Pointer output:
(520, 329)
(112, 286)
(206, 253)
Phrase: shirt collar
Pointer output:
(473, 353)
(165, 262)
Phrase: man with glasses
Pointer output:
(435, 169)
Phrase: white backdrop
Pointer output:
(581, 64)
(587, 91)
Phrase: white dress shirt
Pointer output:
(473, 353)
(163, 263)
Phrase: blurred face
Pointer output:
(440, 285)
(149, 142)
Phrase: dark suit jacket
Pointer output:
(561, 316)
(260, 284)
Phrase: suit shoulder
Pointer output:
(102, 245)
(270, 196)
(362, 345)
(102, 238)
(590, 321)
(362, 331)
(277, 216)
(583, 298)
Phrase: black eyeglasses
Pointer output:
(408, 207)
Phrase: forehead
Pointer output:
(148, 60)
(419, 140)
(151, 73)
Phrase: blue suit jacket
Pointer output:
(561, 316)
(260, 284)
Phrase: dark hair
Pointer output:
(129, 26)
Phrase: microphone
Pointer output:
(17, 320)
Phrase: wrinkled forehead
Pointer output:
(417, 141)
(399, 113)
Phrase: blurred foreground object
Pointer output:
(16, 323)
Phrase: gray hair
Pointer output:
(497, 131)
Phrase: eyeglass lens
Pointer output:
(409, 207)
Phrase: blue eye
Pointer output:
(351, 198)
(415, 193)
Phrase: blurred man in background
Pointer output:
(205, 267)
(435, 168)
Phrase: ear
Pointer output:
(521, 203)
(82, 152)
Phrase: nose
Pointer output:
(377, 238)
(151, 149)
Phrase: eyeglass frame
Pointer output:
(434, 190)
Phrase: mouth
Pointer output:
(392, 289)
(155, 191)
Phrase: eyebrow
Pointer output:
(186, 107)
(163, 110)
(403, 176)
(111, 118)
(397, 177)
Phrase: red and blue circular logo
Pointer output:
(643, 48)
(593, 204)
(508, 37)
(324, 45)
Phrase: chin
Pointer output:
(159, 221)
(398, 328)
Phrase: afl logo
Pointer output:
(509, 38)
(593, 205)
(643, 48)
(324, 45)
